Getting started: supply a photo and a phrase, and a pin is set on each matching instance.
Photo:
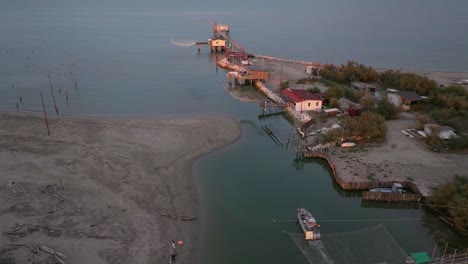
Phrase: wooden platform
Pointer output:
(255, 75)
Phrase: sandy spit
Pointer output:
(97, 189)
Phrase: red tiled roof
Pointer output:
(297, 95)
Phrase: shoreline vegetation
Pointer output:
(103, 190)
(384, 153)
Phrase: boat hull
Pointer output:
(308, 224)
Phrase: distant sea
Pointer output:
(121, 55)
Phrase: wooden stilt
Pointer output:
(45, 115)
(53, 96)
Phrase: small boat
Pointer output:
(396, 188)
(309, 224)
(348, 145)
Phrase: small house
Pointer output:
(217, 43)
(364, 88)
(303, 100)
(404, 99)
(445, 132)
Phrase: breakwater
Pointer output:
(415, 196)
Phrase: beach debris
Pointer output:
(21, 230)
(55, 210)
(16, 187)
(181, 218)
(51, 191)
(61, 184)
(35, 250)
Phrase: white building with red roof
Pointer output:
(303, 100)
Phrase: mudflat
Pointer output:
(102, 190)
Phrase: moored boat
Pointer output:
(309, 224)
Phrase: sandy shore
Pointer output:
(119, 177)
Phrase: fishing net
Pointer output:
(370, 245)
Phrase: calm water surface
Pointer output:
(127, 66)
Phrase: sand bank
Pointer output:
(119, 177)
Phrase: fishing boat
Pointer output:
(309, 224)
(396, 188)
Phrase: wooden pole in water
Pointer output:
(53, 96)
(74, 75)
(45, 115)
(454, 255)
(443, 256)
(433, 251)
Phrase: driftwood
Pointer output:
(35, 250)
(57, 254)
(55, 210)
(181, 218)
(22, 230)
(26, 229)
(61, 184)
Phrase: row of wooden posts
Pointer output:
(73, 76)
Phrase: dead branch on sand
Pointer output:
(22, 230)
(181, 218)
(35, 250)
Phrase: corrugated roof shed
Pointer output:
(411, 96)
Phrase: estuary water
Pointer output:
(125, 64)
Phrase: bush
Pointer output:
(451, 198)
(333, 135)
(335, 92)
(386, 109)
(284, 85)
(408, 82)
(367, 103)
(369, 126)
(353, 95)
(350, 72)
(314, 90)
(334, 103)
(323, 117)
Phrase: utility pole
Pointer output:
(342, 135)
(281, 74)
